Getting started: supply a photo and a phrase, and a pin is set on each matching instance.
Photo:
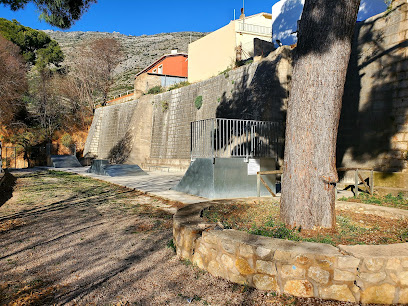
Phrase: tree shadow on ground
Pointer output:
(373, 110)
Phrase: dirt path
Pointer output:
(65, 239)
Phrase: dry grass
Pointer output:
(352, 227)
(71, 240)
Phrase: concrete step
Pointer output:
(65, 161)
(102, 167)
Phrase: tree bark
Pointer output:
(321, 60)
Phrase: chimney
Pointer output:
(174, 51)
(242, 16)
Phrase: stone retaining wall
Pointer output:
(367, 274)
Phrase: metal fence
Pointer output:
(225, 138)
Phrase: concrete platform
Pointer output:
(65, 161)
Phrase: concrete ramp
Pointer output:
(65, 161)
(226, 178)
(102, 167)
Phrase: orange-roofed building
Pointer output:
(168, 70)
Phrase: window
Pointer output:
(154, 70)
(161, 69)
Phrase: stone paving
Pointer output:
(156, 183)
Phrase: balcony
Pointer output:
(254, 29)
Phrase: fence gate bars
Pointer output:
(228, 138)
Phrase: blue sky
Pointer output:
(149, 17)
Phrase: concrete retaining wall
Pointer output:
(367, 274)
(373, 127)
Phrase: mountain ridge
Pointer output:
(140, 51)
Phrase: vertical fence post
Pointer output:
(356, 183)
(258, 184)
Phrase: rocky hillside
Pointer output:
(140, 51)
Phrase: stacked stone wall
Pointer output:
(367, 274)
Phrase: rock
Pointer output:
(215, 269)
(198, 261)
(393, 264)
(337, 292)
(302, 260)
(265, 267)
(239, 279)
(210, 238)
(246, 250)
(228, 246)
(403, 296)
(374, 264)
(299, 288)
(262, 252)
(325, 263)
(243, 266)
(348, 263)
(228, 263)
(282, 255)
(383, 294)
(265, 282)
(345, 276)
(292, 271)
(403, 276)
(319, 275)
(373, 277)
(404, 263)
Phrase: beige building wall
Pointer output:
(144, 82)
(212, 54)
(257, 26)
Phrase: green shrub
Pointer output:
(198, 102)
(178, 85)
(155, 90)
(66, 140)
(164, 105)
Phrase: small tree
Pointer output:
(92, 73)
(13, 81)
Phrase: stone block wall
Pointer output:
(236, 94)
(373, 127)
(367, 274)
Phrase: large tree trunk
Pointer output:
(322, 55)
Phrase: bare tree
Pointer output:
(322, 55)
(92, 73)
(13, 81)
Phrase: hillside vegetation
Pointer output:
(139, 51)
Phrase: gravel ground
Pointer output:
(70, 240)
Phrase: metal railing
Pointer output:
(211, 138)
(253, 28)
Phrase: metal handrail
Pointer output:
(254, 28)
(224, 138)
